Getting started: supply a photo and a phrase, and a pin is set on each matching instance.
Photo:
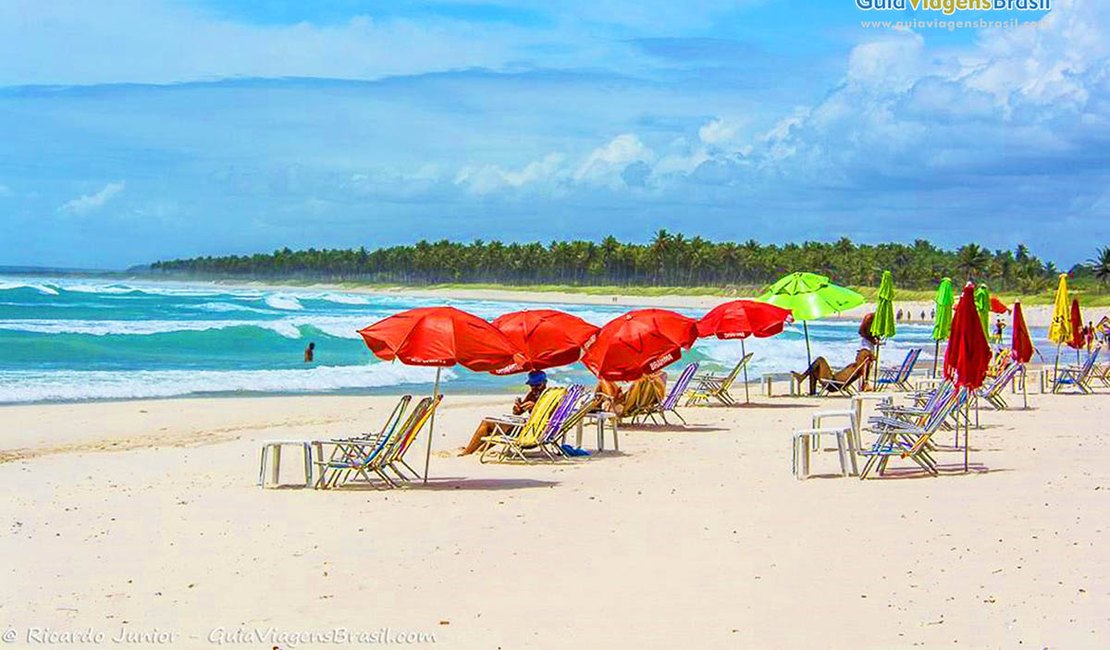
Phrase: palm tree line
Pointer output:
(668, 260)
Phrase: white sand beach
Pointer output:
(145, 516)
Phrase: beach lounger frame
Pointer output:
(669, 404)
(709, 386)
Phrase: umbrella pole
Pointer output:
(431, 429)
(809, 355)
(936, 356)
(875, 383)
(967, 430)
(1024, 394)
(744, 353)
(1055, 369)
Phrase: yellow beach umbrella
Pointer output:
(1060, 330)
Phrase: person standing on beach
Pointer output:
(310, 352)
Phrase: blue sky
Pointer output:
(133, 130)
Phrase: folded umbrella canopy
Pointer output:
(640, 342)
(810, 296)
(442, 337)
(547, 338)
(998, 307)
(983, 306)
(1078, 337)
(1021, 347)
(739, 319)
(942, 321)
(1060, 331)
(968, 354)
(882, 324)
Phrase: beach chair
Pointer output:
(710, 386)
(362, 456)
(670, 401)
(847, 387)
(394, 458)
(993, 391)
(576, 403)
(897, 438)
(340, 448)
(898, 376)
(517, 436)
(999, 362)
(1102, 373)
(920, 408)
(1077, 377)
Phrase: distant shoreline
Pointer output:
(1036, 315)
(1037, 308)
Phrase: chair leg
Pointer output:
(840, 444)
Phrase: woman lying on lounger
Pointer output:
(820, 369)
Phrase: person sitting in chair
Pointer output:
(821, 370)
(537, 384)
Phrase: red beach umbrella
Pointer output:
(639, 342)
(1078, 337)
(740, 319)
(1021, 345)
(968, 353)
(997, 306)
(441, 337)
(547, 338)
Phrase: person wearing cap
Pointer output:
(537, 384)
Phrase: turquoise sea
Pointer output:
(66, 339)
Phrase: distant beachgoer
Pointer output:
(899, 316)
(537, 384)
(999, 328)
(867, 340)
(820, 369)
(310, 352)
(922, 314)
(933, 314)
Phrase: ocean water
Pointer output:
(65, 339)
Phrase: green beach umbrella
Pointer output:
(810, 296)
(983, 306)
(882, 325)
(942, 323)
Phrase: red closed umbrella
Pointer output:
(997, 306)
(547, 338)
(639, 342)
(1078, 337)
(968, 354)
(441, 337)
(739, 319)
(1021, 345)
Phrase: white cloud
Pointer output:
(610, 159)
(717, 132)
(90, 202)
(483, 179)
